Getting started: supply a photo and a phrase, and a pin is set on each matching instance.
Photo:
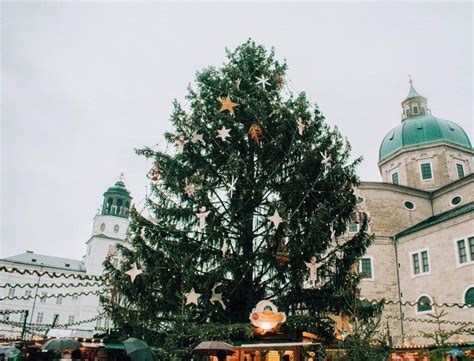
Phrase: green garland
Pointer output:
(50, 285)
(54, 295)
(50, 274)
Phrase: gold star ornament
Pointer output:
(228, 104)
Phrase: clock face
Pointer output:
(116, 228)
(102, 227)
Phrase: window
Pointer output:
(6, 316)
(43, 297)
(420, 262)
(23, 316)
(465, 250)
(39, 317)
(27, 293)
(469, 296)
(395, 178)
(426, 173)
(415, 110)
(456, 201)
(424, 304)
(460, 169)
(365, 268)
(70, 319)
(59, 300)
(74, 298)
(360, 200)
(409, 205)
(11, 292)
(353, 227)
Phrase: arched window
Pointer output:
(424, 304)
(110, 201)
(469, 297)
(119, 206)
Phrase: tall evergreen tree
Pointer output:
(256, 188)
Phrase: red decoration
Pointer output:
(255, 132)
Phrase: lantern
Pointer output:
(255, 132)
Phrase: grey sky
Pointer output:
(85, 83)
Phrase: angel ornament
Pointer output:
(313, 270)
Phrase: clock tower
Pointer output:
(109, 228)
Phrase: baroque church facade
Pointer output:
(422, 257)
(422, 216)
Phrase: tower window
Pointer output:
(460, 169)
(415, 110)
(395, 179)
(426, 173)
(409, 205)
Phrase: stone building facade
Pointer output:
(422, 216)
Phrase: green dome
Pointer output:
(118, 189)
(422, 129)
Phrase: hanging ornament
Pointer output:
(154, 174)
(192, 297)
(282, 255)
(326, 159)
(333, 232)
(237, 84)
(223, 133)
(313, 269)
(301, 126)
(202, 217)
(255, 132)
(134, 272)
(276, 219)
(198, 138)
(189, 189)
(231, 186)
(224, 248)
(279, 81)
(342, 328)
(217, 297)
(179, 142)
(227, 104)
(262, 81)
(142, 233)
(356, 215)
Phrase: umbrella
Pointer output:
(455, 352)
(214, 348)
(61, 344)
(9, 351)
(138, 350)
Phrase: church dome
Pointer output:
(419, 127)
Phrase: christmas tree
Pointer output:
(251, 203)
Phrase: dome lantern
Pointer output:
(414, 104)
(117, 200)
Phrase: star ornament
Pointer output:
(190, 190)
(192, 297)
(276, 219)
(326, 158)
(134, 272)
(223, 133)
(262, 81)
(198, 138)
(228, 104)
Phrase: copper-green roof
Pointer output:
(413, 93)
(118, 189)
(439, 218)
(422, 129)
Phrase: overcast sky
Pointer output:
(83, 84)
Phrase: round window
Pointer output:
(102, 227)
(409, 205)
(116, 228)
(456, 201)
(360, 200)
